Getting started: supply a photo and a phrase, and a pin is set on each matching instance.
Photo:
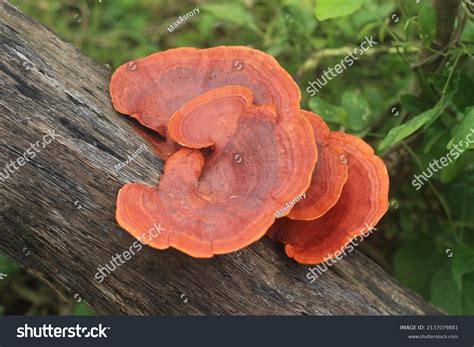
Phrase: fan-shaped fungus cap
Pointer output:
(228, 202)
(329, 175)
(364, 200)
(159, 84)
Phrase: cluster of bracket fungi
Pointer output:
(237, 148)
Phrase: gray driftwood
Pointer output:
(57, 210)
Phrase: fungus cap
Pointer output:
(151, 89)
(364, 200)
(228, 201)
(329, 174)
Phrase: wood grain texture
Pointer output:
(57, 211)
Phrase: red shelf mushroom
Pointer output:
(364, 200)
(239, 152)
(228, 201)
(151, 89)
(329, 175)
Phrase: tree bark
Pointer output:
(446, 12)
(57, 210)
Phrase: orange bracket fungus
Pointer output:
(363, 201)
(240, 152)
(329, 175)
(158, 85)
(229, 201)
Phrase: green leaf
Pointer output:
(468, 32)
(411, 104)
(358, 110)
(367, 30)
(428, 21)
(446, 295)
(444, 292)
(433, 136)
(402, 131)
(409, 6)
(326, 9)
(462, 263)
(8, 265)
(467, 299)
(414, 263)
(298, 16)
(329, 112)
(465, 94)
(81, 309)
(206, 24)
(462, 137)
(457, 167)
(459, 196)
(233, 13)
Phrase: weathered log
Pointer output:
(57, 209)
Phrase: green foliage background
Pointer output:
(409, 115)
